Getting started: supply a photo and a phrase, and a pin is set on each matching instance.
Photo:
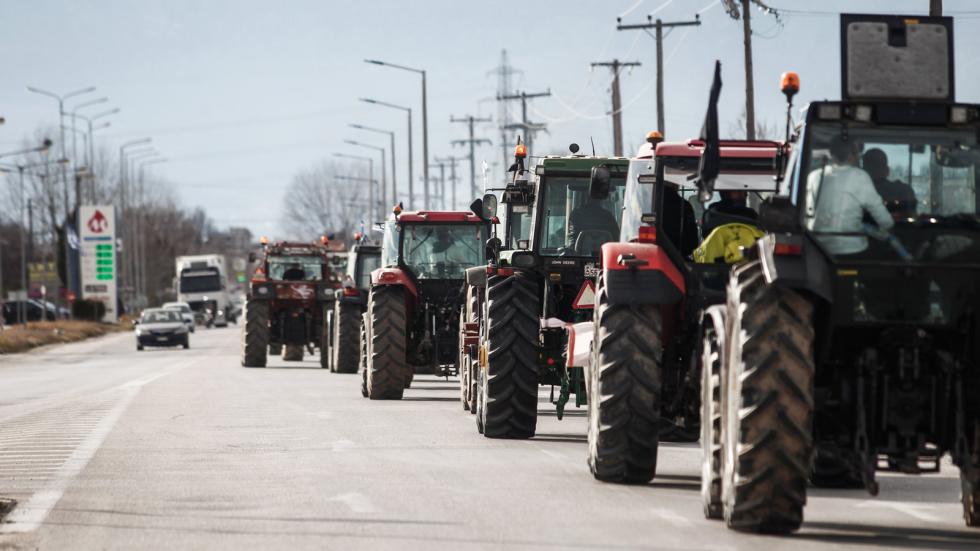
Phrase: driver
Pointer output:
(898, 196)
(443, 250)
(592, 216)
(731, 208)
(843, 194)
(294, 272)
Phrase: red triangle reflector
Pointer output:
(586, 296)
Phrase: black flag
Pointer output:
(711, 157)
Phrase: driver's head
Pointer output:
(843, 151)
(875, 163)
(442, 240)
(737, 197)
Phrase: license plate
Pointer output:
(161, 339)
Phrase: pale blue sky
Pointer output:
(240, 94)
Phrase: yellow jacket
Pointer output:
(726, 243)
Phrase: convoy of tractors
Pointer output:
(806, 318)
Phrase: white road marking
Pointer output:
(914, 510)
(671, 517)
(342, 445)
(358, 502)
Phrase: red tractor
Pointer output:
(288, 297)
(670, 266)
(411, 323)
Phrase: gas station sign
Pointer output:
(97, 234)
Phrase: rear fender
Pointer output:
(640, 273)
(809, 270)
(393, 276)
(579, 343)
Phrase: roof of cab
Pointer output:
(758, 149)
(439, 216)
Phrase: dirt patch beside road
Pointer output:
(20, 338)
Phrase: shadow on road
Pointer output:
(449, 388)
(877, 535)
(552, 413)
(572, 438)
(430, 399)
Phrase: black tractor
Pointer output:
(850, 342)
(344, 320)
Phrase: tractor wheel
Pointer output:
(970, 481)
(275, 349)
(624, 391)
(481, 399)
(362, 357)
(255, 333)
(463, 365)
(388, 372)
(292, 353)
(768, 404)
(711, 457)
(511, 381)
(346, 323)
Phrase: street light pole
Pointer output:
(394, 180)
(91, 143)
(425, 121)
(141, 241)
(380, 150)
(371, 206)
(411, 174)
(124, 199)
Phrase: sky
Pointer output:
(240, 95)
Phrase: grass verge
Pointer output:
(20, 338)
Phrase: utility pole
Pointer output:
(470, 120)
(504, 72)
(935, 8)
(659, 27)
(442, 181)
(732, 7)
(617, 109)
(528, 127)
(451, 161)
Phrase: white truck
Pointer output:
(202, 282)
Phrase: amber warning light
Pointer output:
(520, 151)
(790, 84)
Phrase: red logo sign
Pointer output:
(98, 223)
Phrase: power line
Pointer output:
(472, 141)
(529, 128)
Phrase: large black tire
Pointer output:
(362, 356)
(464, 369)
(388, 372)
(255, 333)
(711, 458)
(768, 409)
(624, 391)
(346, 325)
(511, 385)
(970, 483)
(470, 313)
(292, 353)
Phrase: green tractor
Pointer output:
(536, 291)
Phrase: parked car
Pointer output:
(185, 312)
(33, 311)
(161, 327)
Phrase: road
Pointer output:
(105, 447)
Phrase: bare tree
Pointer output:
(329, 197)
(763, 129)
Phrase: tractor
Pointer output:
(344, 319)
(669, 266)
(850, 341)
(518, 199)
(541, 286)
(288, 297)
(413, 306)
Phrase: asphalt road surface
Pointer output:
(105, 447)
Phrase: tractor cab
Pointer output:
(434, 248)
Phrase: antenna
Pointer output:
(593, 145)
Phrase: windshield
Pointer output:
(389, 247)
(892, 192)
(200, 282)
(518, 224)
(442, 251)
(338, 262)
(160, 316)
(367, 263)
(179, 306)
(295, 268)
(574, 223)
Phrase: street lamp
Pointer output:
(381, 150)
(411, 175)
(45, 145)
(394, 179)
(140, 220)
(91, 142)
(74, 116)
(425, 120)
(372, 208)
(61, 125)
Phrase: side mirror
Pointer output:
(251, 257)
(489, 206)
(476, 207)
(599, 182)
(778, 214)
(493, 249)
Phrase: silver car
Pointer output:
(185, 312)
(161, 327)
